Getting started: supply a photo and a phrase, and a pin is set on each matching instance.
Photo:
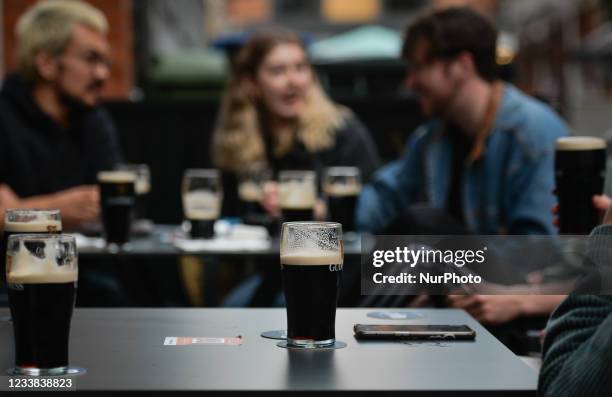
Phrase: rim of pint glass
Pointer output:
(51, 213)
(309, 174)
(343, 171)
(201, 172)
(43, 237)
(314, 224)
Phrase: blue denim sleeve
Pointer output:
(530, 177)
(391, 190)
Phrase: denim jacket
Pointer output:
(508, 189)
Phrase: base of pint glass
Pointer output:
(309, 343)
(333, 346)
(59, 371)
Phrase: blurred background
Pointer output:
(171, 58)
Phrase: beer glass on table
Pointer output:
(117, 198)
(41, 272)
(27, 221)
(202, 198)
(297, 195)
(142, 187)
(342, 186)
(311, 258)
(580, 166)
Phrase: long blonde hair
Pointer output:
(238, 142)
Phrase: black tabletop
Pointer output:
(123, 350)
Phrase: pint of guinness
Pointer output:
(311, 257)
(117, 198)
(29, 221)
(202, 198)
(42, 275)
(342, 186)
(580, 165)
(142, 187)
(297, 191)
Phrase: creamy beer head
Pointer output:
(341, 189)
(572, 143)
(119, 176)
(250, 191)
(297, 194)
(311, 243)
(41, 259)
(32, 221)
(201, 205)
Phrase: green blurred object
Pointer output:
(187, 74)
(364, 43)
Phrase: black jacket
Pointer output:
(353, 147)
(37, 156)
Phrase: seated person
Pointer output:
(577, 352)
(275, 116)
(54, 137)
(486, 157)
(485, 160)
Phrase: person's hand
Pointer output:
(320, 210)
(489, 309)
(601, 202)
(78, 205)
(8, 198)
(270, 201)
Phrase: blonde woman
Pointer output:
(276, 116)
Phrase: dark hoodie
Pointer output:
(38, 156)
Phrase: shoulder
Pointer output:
(533, 124)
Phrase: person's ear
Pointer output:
(464, 66)
(47, 66)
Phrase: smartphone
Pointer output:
(414, 332)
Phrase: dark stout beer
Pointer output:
(311, 264)
(342, 186)
(42, 279)
(580, 165)
(202, 209)
(342, 204)
(311, 285)
(117, 198)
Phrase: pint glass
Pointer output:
(41, 272)
(311, 257)
(580, 166)
(202, 198)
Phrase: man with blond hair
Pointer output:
(54, 137)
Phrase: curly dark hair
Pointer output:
(449, 32)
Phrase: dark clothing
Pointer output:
(353, 147)
(461, 149)
(577, 352)
(38, 156)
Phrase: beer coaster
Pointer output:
(280, 334)
(189, 340)
(396, 315)
(70, 371)
(337, 345)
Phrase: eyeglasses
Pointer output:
(91, 58)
